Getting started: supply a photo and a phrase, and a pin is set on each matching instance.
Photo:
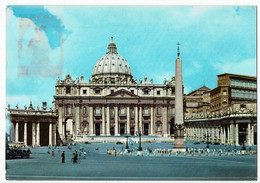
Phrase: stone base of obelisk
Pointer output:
(179, 144)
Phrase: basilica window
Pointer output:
(146, 110)
(97, 110)
(97, 91)
(84, 91)
(84, 110)
(146, 92)
(68, 110)
(132, 91)
(158, 92)
(122, 110)
(158, 111)
(111, 91)
(132, 110)
(67, 90)
(112, 111)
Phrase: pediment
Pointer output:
(122, 94)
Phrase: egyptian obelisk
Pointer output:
(179, 123)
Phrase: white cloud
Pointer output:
(198, 10)
(160, 77)
(244, 67)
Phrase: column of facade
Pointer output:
(224, 134)
(136, 119)
(108, 121)
(91, 121)
(140, 119)
(77, 119)
(33, 134)
(252, 134)
(228, 134)
(50, 134)
(16, 132)
(217, 133)
(232, 134)
(25, 134)
(221, 135)
(128, 120)
(152, 120)
(60, 122)
(164, 121)
(249, 134)
(54, 134)
(236, 134)
(103, 121)
(38, 134)
(116, 121)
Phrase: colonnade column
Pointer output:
(33, 134)
(232, 134)
(224, 134)
(38, 135)
(116, 121)
(54, 134)
(91, 122)
(252, 134)
(16, 132)
(152, 121)
(228, 134)
(25, 134)
(136, 119)
(140, 119)
(128, 120)
(103, 121)
(108, 121)
(236, 135)
(50, 134)
(60, 122)
(249, 134)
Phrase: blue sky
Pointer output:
(46, 42)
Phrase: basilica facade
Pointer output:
(113, 103)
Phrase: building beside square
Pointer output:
(230, 116)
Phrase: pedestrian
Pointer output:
(59, 150)
(52, 152)
(63, 157)
(75, 156)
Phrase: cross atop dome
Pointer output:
(112, 47)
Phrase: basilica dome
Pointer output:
(112, 64)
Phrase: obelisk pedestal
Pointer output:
(178, 122)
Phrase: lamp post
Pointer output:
(243, 133)
(207, 135)
(126, 146)
(139, 134)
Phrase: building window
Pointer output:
(132, 110)
(158, 111)
(172, 110)
(84, 110)
(158, 92)
(67, 90)
(97, 91)
(146, 92)
(122, 110)
(97, 110)
(146, 110)
(224, 92)
(84, 91)
(68, 110)
(112, 111)
(132, 91)
(111, 91)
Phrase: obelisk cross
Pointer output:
(178, 44)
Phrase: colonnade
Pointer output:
(224, 133)
(35, 133)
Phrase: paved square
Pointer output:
(100, 166)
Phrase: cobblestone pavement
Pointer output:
(100, 166)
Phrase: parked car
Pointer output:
(216, 143)
(196, 143)
(119, 142)
(17, 153)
